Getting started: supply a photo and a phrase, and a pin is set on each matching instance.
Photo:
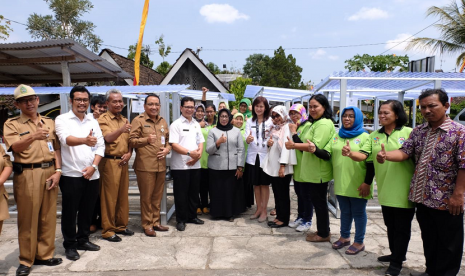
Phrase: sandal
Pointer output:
(339, 244)
(352, 250)
(273, 212)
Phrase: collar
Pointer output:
(112, 116)
(445, 126)
(147, 117)
(381, 130)
(24, 119)
(73, 115)
(185, 120)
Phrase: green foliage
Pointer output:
(282, 71)
(213, 68)
(255, 67)
(163, 68)
(65, 23)
(5, 28)
(455, 108)
(163, 50)
(380, 63)
(144, 55)
(237, 87)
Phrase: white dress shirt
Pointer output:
(76, 158)
(188, 135)
(261, 148)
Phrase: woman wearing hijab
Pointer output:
(350, 186)
(225, 147)
(244, 196)
(278, 165)
(199, 116)
(244, 109)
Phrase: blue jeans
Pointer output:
(353, 209)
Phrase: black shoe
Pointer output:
(271, 223)
(113, 238)
(387, 259)
(23, 270)
(72, 254)
(49, 262)
(126, 232)
(393, 270)
(419, 274)
(88, 246)
(196, 221)
(181, 226)
(278, 225)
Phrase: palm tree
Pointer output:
(452, 28)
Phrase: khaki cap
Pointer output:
(23, 91)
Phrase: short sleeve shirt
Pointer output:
(109, 123)
(438, 154)
(298, 154)
(187, 134)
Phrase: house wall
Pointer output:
(190, 74)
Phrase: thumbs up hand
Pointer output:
(221, 140)
(346, 149)
(381, 156)
(270, 142)
(126, 128)
(152, 138)
(311, 146)
(90, 140)
(249, 138)
(41, 133)
(289, 143)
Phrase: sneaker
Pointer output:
(304, 227)
(296, 222)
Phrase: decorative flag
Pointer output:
(139, 43)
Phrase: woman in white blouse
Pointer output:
(257, 130)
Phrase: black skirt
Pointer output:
(226, 194)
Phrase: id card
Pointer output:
(197, 138)
(163, 140)
(50, 146)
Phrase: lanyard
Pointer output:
(263, 132)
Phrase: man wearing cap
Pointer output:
(114, 174)
(149, 136)
(37, 170)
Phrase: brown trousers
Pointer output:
(114, 202)
(1, 226)
(37, 215)
(151, 186)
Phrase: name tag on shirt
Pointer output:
(50, 146)
(162, 140)
(185, 130)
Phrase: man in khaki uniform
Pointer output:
(37, 167)
(5, 169)
(114, 175)
(149, 136)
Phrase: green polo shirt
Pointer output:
(348, 174)
(204, 158)
(392, 178)
(298, 154)
(314, 169)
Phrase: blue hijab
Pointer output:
(357, 127)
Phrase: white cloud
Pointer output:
(319, 54)
(369, 14)
(399, 43)
(333, 57)
(222, 13)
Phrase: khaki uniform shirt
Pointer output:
(39, 151)
(109, 123)
(4, 162)
(146, 154)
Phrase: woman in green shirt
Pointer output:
(316, 173)
(199, 116)
(392, 180)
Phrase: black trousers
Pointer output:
(399, 224)
(97, 214)
(281, 196)
(186, 185)
(304, 202)
(318, 195)
(204, 188)
(78, 196)
(442, 235)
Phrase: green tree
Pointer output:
(380, 63)
(282, 71)
(163, 68)
(237, 87)
(163, 50)
(144, 55)
(452, 29)
(213, 68)
(255, 67)
(65, 23)
(5, 28)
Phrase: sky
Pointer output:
(320, 34)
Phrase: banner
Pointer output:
(139, 42)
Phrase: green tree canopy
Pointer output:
(163, 50)
(144, 55)
(5, 28)
(282, 71)
(213, 68)
(237, 87)
(380, 63)
(65, 23)
(163, 68)
(452, 29)
(255, 67)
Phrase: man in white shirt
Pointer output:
(186, 140)
(82, 149)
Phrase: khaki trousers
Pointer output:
(1, 226)
(114, 202)
(37, 211)
(151, 186)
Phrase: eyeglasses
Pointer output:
(293, 114)
(275, 116)
(153, 104)
(224, 117)
(188, 107)
(26, 101)
(81, 100)
(349, 116)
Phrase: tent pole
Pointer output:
(414, 113)
(375, 115)
(343, 98)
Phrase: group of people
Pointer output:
(222, 162)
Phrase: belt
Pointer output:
(112, 157)
(37, 165)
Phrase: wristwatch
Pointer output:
(188, 153)
(95, 167)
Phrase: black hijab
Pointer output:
(228, 126)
